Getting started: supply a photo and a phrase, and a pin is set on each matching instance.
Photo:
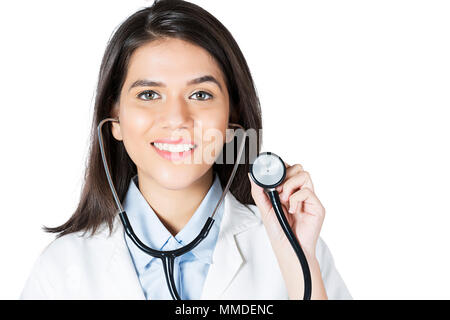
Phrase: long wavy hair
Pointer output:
(164, 19)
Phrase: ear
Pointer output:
(115, 129)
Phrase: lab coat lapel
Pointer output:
(123, 278)
(227, 258)
(123, 282)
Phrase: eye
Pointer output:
(147, 93)
(201, 95)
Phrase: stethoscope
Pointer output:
(268, 171)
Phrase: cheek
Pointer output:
(134, 127)
(213, 136)
(212, 124)
(135, 120)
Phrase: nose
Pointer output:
(175, 115)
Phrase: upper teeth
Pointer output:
(174, 147)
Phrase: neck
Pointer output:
(175, 208)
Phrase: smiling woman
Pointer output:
(156, 69)
(173, 80)
(186, 96)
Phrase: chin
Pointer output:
(180, 176)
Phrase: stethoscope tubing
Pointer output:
(167, 257)
(275, 200)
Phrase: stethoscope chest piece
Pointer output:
(268, 170)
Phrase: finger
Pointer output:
(299, 181)
(305, 200)
(290, 171)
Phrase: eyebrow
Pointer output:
(151, 83)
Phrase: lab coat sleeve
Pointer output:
(37, 286)
(334, 284)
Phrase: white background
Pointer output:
(358, 92)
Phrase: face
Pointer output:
(174, 98)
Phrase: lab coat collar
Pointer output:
(226, 261)
(149, 228)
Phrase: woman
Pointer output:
(168, 70)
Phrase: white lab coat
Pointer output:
(100, 267)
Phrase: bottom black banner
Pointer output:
(229, 309)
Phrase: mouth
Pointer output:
(174, 150)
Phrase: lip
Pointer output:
(174, 156)
(171, 141)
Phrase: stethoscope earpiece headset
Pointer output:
(268, 171)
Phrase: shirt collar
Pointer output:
(154, 234)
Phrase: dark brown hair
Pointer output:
(164, 19)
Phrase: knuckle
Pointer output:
(307, 174)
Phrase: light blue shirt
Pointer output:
(191, 268)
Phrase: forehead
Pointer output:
(171, 60)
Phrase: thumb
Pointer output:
(262, 201)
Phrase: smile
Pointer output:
(174, 147)
(174, 152)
